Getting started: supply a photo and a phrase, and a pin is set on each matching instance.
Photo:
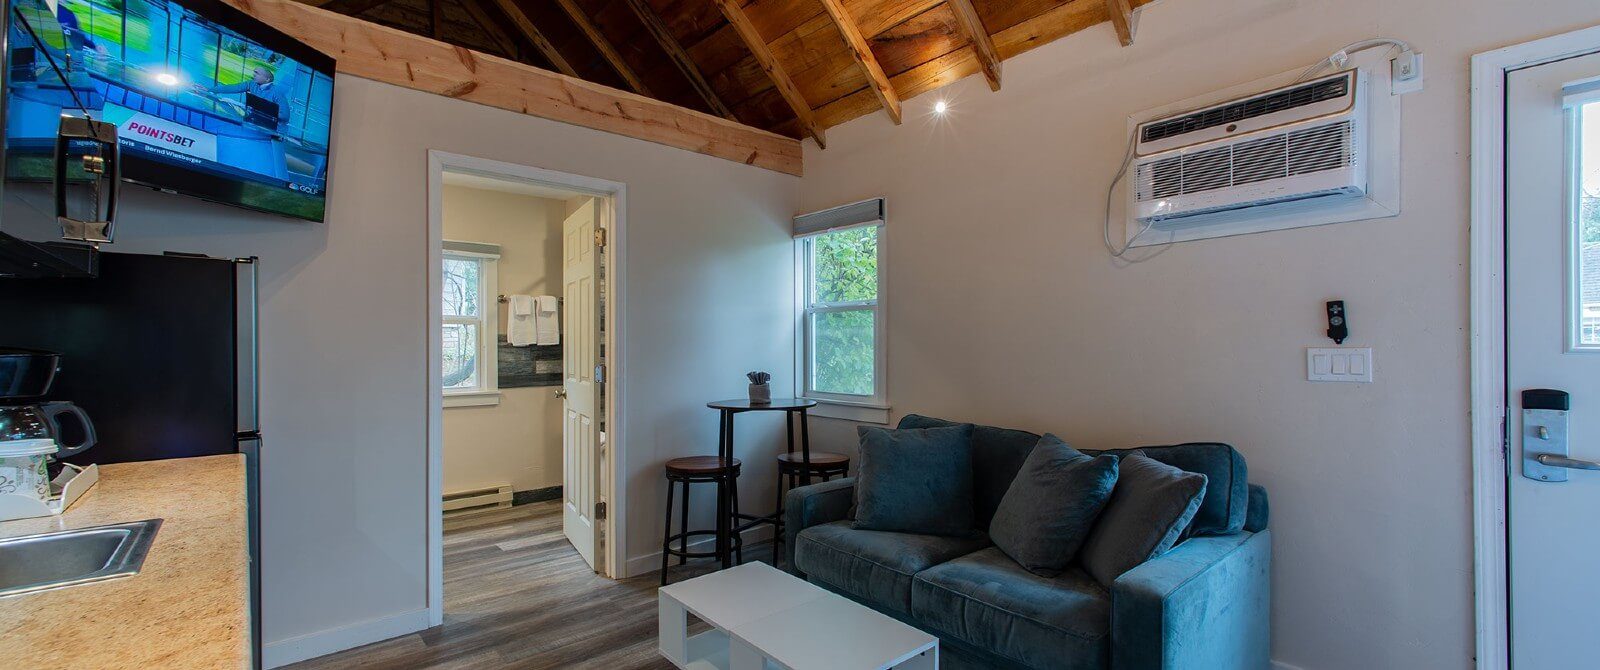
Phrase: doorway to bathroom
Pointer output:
(521, 461)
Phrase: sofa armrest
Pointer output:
(814, 505)
(1205, 604)
(1255, 519)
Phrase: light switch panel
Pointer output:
(1329, 364)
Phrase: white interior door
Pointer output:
(1553, 342)
(580, 433)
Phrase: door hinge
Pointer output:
(600, 237)
(600, 510)
(599, 374)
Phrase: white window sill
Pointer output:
(472, 399)
(851, 411)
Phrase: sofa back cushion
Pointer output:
(1227, 498)
(997, 455)
(915, 480)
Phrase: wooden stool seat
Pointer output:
(819, 459)
(701, 465)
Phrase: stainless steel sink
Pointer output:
(54, 560)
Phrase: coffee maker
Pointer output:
(25, 378)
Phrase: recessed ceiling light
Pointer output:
(941, 107)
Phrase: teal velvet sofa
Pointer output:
(1204, 605)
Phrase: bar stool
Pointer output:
(797, 469)
(702, 470)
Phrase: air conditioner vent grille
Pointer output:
(1300, 96)
(1316, 149)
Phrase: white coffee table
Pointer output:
(762, 617)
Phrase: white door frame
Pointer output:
(615, 218)
(1490, 576)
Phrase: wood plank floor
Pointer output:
(517, 595)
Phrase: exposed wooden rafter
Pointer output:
(603, 45)
(383, 54)
(490, 27)
(530, 32)
(769, 63)
(352, 7)
(1124, 19)
(680, 57)
(435, 18)
(982, 43)
(862, 52)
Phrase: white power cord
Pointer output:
(1337, 60)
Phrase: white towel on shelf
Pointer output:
(547, 318)
(521, 322)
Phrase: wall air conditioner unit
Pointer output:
(1296, 147)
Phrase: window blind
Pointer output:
(843, 216)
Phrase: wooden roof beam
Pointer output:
(680, 57)
(603, 45)
(524, 25)
(490, 27)
(352, 7)
(861, 50)
(982, 43)
(1124, 19)
(769, 62)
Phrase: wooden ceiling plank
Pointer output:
(530, 32)
(370, 51)
(680, 58)
(1123, 19)
(862, 52)
(774, 69)
(435, 18)
(490, 27)
(352, 7)
(603, 45)
(982, 43)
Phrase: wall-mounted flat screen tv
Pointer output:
(208, 101)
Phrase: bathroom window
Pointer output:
(471, 324)
(842, 357)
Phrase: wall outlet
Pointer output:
(1329, 364)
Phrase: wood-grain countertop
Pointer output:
(189, 607)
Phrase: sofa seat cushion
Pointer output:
(987, 600)
(875, 566)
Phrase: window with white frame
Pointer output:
(840, 261)
(471, 323)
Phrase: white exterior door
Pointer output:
(1553, 344)
(580, 327)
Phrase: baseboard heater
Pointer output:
(483, 499)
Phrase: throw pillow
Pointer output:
(916, 480)
(1151, 504)
(1051, 506)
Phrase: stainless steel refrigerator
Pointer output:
(160, 350)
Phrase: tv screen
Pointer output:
(207, 101)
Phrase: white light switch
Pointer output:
(1339, 364)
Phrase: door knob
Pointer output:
(1568, 463)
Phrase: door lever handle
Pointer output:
(1555, 461)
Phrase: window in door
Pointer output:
(1583, 137)
(842, 322)
(471, 324)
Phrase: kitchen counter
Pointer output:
(189, 607)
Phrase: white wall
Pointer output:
(518, 441)
(343, 309)
(1004, 307)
